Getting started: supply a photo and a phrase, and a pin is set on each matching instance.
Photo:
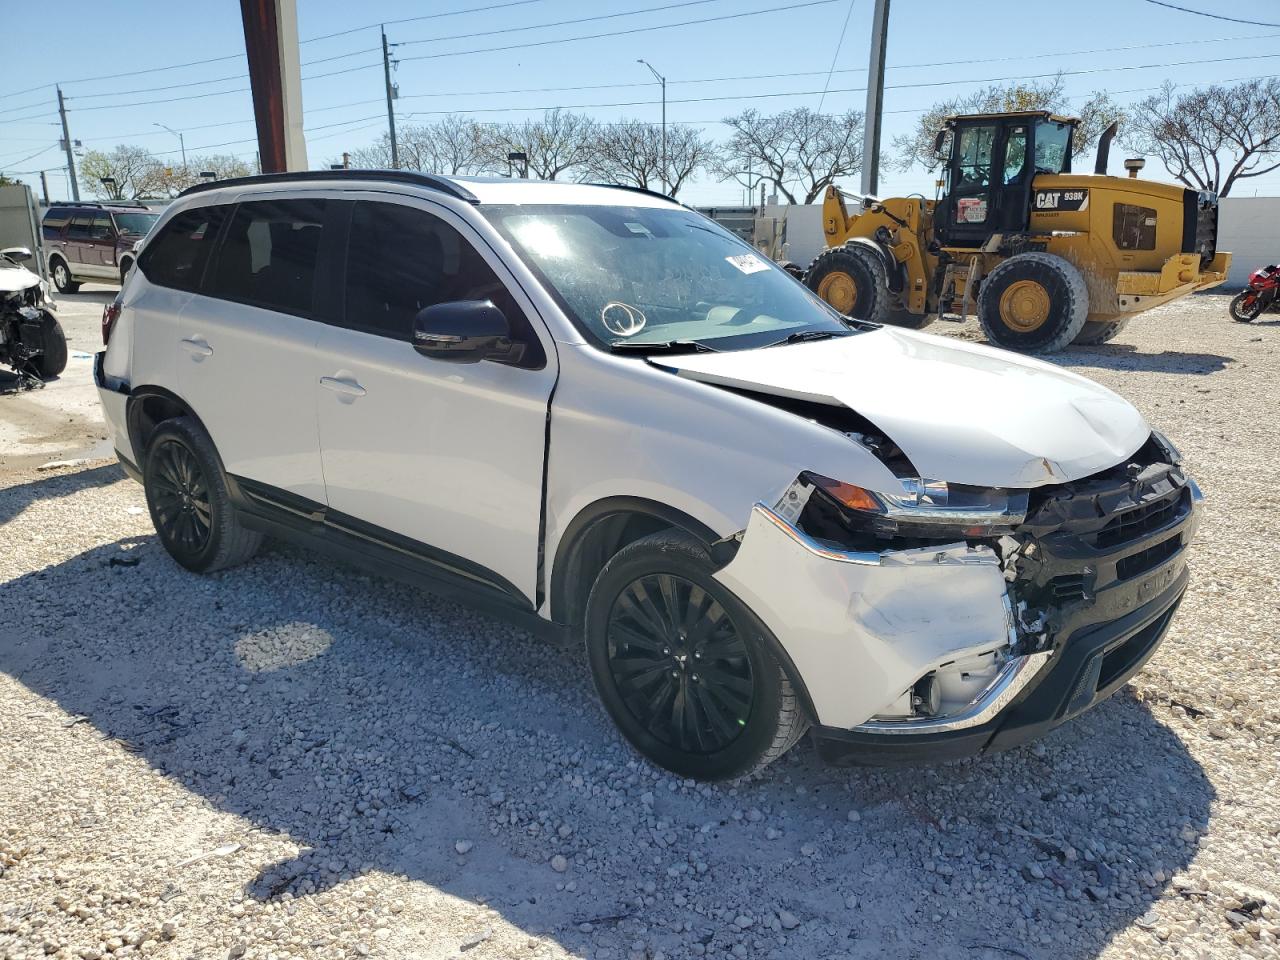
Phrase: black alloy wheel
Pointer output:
(680, 664)
(686, 670)
(183, 514)
(190, 502)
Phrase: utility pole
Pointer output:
(875, 99)
(666, 186)
(44, 187)
(391, 113)
(66, 143)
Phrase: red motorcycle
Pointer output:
(1264, 286)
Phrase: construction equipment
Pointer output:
(1044, 257)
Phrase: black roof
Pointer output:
(411, 177)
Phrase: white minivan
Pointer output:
(592, 407)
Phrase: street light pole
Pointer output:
(666, 186)
(182, 143)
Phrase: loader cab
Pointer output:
(989, 170)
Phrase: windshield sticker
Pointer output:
(748, 263)
(638, 228)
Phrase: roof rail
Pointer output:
(411, 177)
(635, 189)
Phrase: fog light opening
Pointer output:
(926, 696)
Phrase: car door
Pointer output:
(246, 348)
(76, 248)
(443, 459)
(100, 249)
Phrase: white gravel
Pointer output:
(295, 759)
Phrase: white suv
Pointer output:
(593, 407)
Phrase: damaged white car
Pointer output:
(593, 408)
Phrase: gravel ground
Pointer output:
(294, 759)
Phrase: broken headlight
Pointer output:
(1172, 453)
(928, 509)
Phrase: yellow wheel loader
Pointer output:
(1044, 257)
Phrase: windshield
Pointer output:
(635, 276)
(136, 224)
(1053, 146)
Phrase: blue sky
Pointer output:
(995, 39)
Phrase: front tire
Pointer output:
(1242, 312)
(1033, 303)
(852, 279)
(187, 495)
(53, 348)
(62, 276)
(682, 665)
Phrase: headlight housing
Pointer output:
(1165, 444)
(928, 509)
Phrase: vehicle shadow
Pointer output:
(15, 499)
(1123, 356)
(377, 726)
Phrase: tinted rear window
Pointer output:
(80, 224)
(176, 257)
(56, 218)
(268, 258)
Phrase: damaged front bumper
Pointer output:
(859, 630)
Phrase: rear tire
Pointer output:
(682, 665)
(1242, 314)
(190, 506)
(53, 348)
(1095, 332)
(852, 279)
(1033, 303)
(62, 276)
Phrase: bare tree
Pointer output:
(799, 151)
(173, 180)
(559, 143)
(1212, 137)
(453, 145)
(630, 152)
(130, 172)
(1095, 115)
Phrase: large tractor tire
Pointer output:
(852, 279)
(1095, 332)
(1033, 303)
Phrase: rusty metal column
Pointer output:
(271, 45)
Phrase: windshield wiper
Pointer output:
(660, 346)
(803, 336)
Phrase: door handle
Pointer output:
(197, 347)
(348, 388)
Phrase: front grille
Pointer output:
(1148, 559)
(1200, 223)
(1132, 524)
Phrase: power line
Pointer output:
(836, 55)
(622, 33)
(559, 23)
(428, 16)
(1211, 16)
(893, 86)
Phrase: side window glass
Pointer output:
(268, 258)
(1015, 156)
(79, 229)
(1133, 227)
(55, 220)
(400, 260)
(974, 157)
(177, 255)
(103, 228)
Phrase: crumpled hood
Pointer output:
(962, 412)
(15, 277)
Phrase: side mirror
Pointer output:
(465, 331)
(938, 140)
(16, 254)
